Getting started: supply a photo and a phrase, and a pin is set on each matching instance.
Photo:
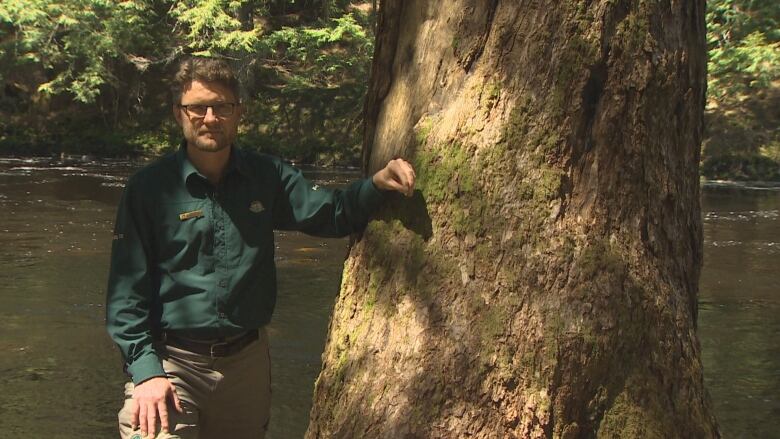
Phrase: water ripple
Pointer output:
(113, 184)
(47, 168)
(750, 185)
(725, 243)
(746, 215)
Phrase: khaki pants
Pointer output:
(228, 397)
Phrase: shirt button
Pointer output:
(223, 283)
(221, 315)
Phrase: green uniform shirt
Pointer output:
(192, 257)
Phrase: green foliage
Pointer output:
(744, 73)
(744, 46)
(74, 41)
(211, 27)
(326, 56)
(99, 63)
(312, 81)
(103, 64)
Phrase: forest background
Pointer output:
(90, 77)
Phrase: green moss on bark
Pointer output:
(444, 170)
(631, 416)
(395, 265)
(600, 257)
(632, 33)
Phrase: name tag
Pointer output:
(189, 215)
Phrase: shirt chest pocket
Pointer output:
(183, 232)
(251, 223)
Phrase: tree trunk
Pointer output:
(325, 9)
(543, 280)
(246, 15)
(373, 15)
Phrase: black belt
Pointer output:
(220, 348)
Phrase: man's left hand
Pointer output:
(397, 175)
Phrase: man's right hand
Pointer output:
(150, 400)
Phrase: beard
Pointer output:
(216, 141)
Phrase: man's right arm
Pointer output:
(130, 293)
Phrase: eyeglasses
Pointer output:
(224, 109)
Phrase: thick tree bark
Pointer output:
(543, 281)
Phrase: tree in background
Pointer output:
(543, 281)
(74, 62)
(744, 90)
(97, 68)
(69, 63)
(744, 46)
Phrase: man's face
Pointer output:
(211, 132)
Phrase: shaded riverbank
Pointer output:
(742, 139)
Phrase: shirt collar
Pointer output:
(186, 168)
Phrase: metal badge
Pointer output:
(187, 215)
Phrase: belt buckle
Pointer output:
(217, 346)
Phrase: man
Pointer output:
(193, 282)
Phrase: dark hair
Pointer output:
(199, 68)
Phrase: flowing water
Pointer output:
(739, 308)
(60, 375)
